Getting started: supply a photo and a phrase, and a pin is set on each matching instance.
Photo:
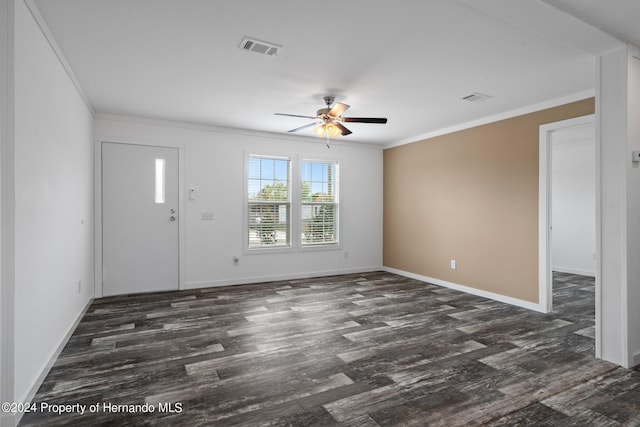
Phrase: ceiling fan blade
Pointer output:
(294, 115)
(379, 120)
(338, 109)
(303, 127)
(344, 130)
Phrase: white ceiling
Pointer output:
(617, 17)
(411, 60)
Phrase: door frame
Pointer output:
(545, 274)
(98, 289)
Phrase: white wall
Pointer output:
(573, 204)
(213, 165)
(618, 134)
(6, 208)
(53, 204)
(633, 205)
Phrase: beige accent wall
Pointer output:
(471, 196)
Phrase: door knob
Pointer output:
(172, 218)
(172, 211)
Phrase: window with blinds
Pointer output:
(319, 203)
(269, 202)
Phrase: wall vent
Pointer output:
(258, 46)
(477, 97)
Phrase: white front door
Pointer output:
(140, 240)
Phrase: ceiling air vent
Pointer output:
(477, 97)
(258, 46)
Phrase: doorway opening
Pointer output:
(568, 219)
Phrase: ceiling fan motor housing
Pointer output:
(329, 100)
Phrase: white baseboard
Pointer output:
(479, 292)
(45, 371)
(574, 271)
(276, 277)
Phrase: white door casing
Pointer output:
(140, 217)
(545, 291)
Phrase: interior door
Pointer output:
(140, 233)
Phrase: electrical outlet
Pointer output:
(79, 286)
(453, 264)
(346, 254)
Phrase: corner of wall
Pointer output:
(612, 318)
(7, 208)
(52, 163)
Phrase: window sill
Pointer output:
(267, 250)
(323, 247)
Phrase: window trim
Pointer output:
(338, 184)
(247, 250)
(295, 203)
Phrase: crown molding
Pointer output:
(497, 117)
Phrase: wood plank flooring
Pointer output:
(372, 349)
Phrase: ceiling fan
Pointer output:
(329, 119)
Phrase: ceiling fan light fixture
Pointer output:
(328, 129)
(333, 130)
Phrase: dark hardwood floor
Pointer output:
(372, 349)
